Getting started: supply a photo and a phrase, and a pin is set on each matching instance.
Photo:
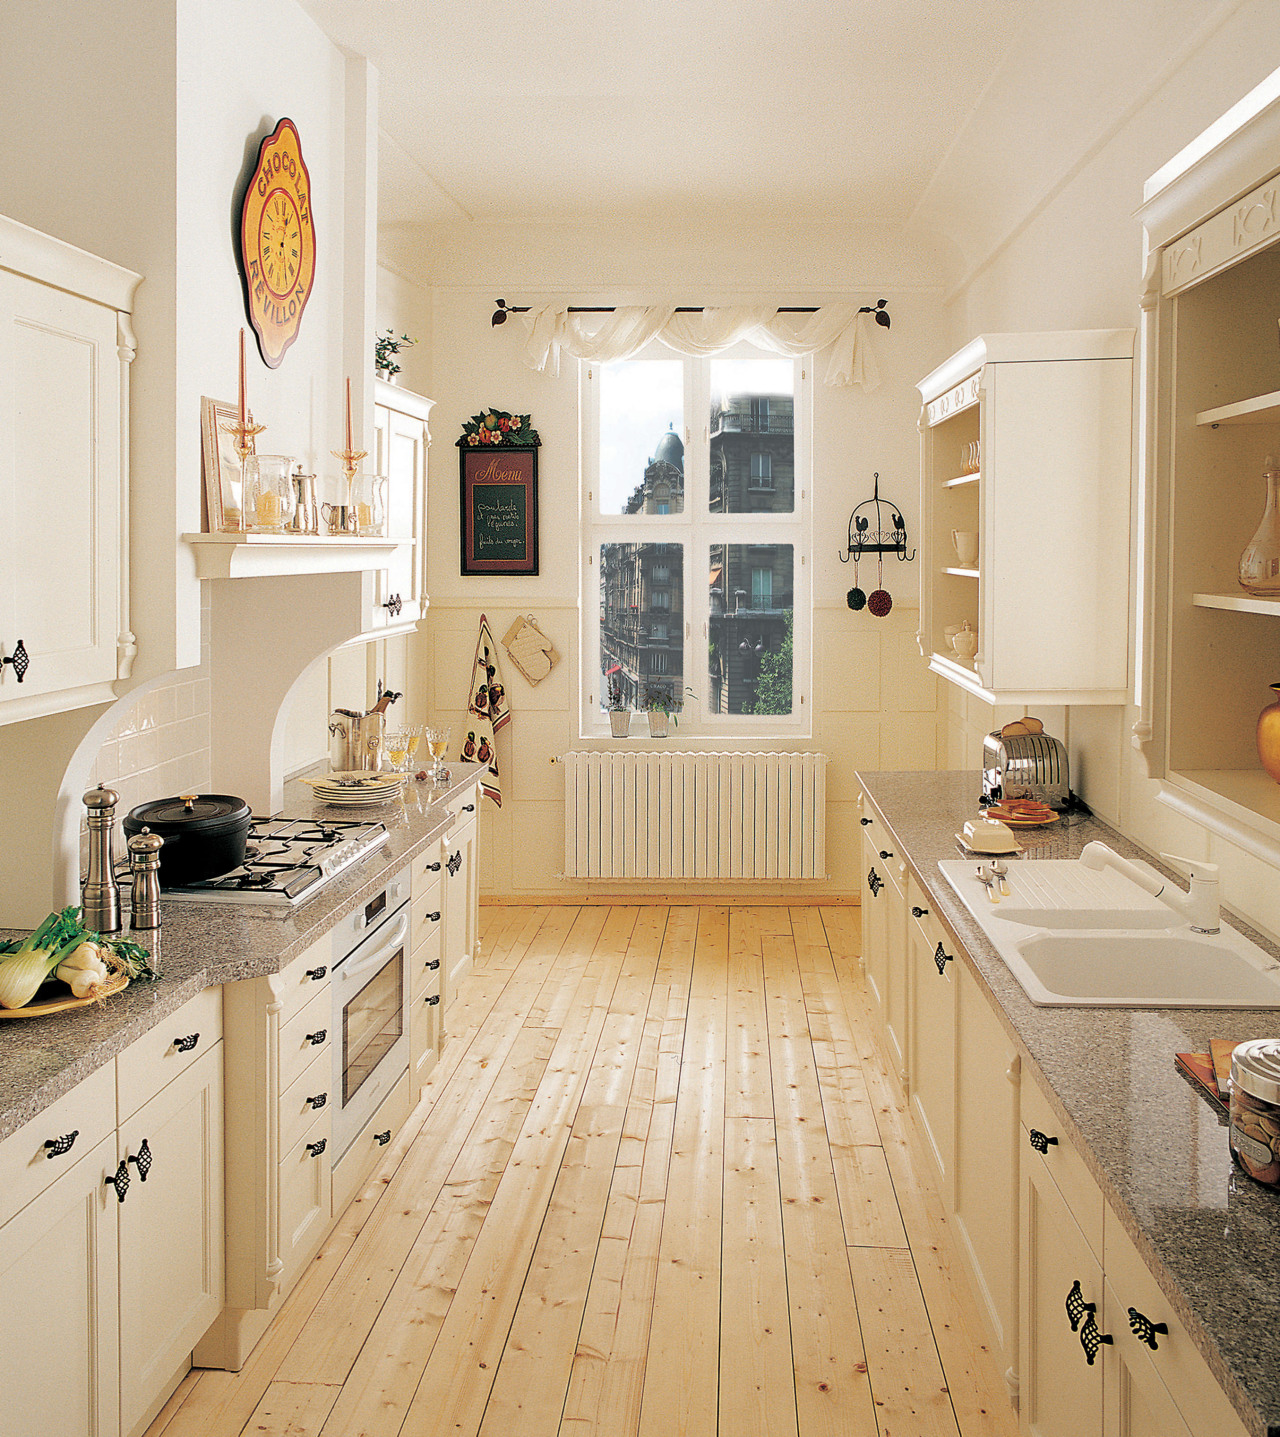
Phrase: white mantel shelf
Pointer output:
(246, 556)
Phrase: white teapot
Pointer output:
(965, 643)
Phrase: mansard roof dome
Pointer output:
(670, 450)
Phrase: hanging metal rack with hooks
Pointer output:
(869, 533)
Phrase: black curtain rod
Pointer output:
(503, 309)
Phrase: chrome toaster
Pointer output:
(1026, 765)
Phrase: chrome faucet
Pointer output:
(1199, 906)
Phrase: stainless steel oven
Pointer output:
(370, 1007)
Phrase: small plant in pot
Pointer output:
(619, 714)
(663, 708)
(386, 347)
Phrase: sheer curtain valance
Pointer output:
(625, 332)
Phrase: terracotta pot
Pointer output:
(1269, 735)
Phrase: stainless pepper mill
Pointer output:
(144, 864)
(100, 893)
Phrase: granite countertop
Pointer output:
(204, 944)
(1157, 1147)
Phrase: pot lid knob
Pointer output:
(189, 801)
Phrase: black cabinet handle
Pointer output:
(1091, 1339)
(393, 605)
(1145, 1330)
(20, 660)
(318, 1101)
(884, 853)
(315, 974)
(433, 868)
(382, 1139)
(865, 822)
(1042, 1142)
(185, 1045)
(318, 1037)
(941, 957)
(468, 808)
(55, 1147)
(315, 1149)
(918, 912)
(1077, 1307)
(431, 1000)
(874, 882)
(432, 965)
(454, 864)
(434, 917)
(119, 1180)
(143, 1160)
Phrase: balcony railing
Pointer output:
(732, 421)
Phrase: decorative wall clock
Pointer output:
(277, 243)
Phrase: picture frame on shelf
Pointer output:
(221, 463)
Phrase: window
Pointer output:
(696, 539)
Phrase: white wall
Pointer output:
(1065, 252)
(874, 702)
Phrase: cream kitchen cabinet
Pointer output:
(65, 348)
(426, 964)
(397, 596)
(1050, 415)
(112, 1267)
(885, 941)
(461, 895)
(932, 981)
(1213, 417)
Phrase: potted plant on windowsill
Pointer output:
(619, 714)
(385, 349)
(663, 708)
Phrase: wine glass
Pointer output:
(437, 742)
(415, 738)
(398, 749)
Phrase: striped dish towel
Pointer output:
(487, 712)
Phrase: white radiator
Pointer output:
(695, 815)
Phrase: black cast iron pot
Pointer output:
(204, 834)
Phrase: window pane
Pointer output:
(641, 452)
(641, 622)
(752, 436)
(749, 654)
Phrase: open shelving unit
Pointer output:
(1213, 365)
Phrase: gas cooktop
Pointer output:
(287, 861)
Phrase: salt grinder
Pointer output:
(144, 863)
(100, 893)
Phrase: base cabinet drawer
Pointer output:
(171, 1047)
(371, 1143)
(308, 1096)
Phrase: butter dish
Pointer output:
(989, 835)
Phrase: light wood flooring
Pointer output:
(658, 1185)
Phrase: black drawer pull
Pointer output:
(468, 808)
(874, 882)
(1042, 1142)
(318, 1101)
(433, 868)
(315, 1149)
(119, 1180)
(434, 917)
(941, 957)
(432, 965)
(1077, 1307)
(865, 822)
(318, 1037)
(382, 1139)
(431, 1000)
(55, 1147)
(315, 974)
(1145, 1330)
(918, 912)
(185, 1045)
(143, 1160)
(884, 853)
(1091, 1339)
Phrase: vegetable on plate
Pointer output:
(61, 947)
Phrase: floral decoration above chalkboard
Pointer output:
(496, 427)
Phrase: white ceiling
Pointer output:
(806, 110)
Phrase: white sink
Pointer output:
(1075, 936)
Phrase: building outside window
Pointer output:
(667, 502)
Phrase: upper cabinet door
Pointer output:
(63, 484)
(402, 438)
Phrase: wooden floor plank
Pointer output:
(757, 1378)
(748, 1089)
(292, 1409)
(911, 1393)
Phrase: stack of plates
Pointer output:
(357, 790)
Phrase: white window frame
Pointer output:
(698, 529)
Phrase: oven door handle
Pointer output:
(375, 959)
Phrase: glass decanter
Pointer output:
(1260, 562)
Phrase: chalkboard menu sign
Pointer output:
(499, 510)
